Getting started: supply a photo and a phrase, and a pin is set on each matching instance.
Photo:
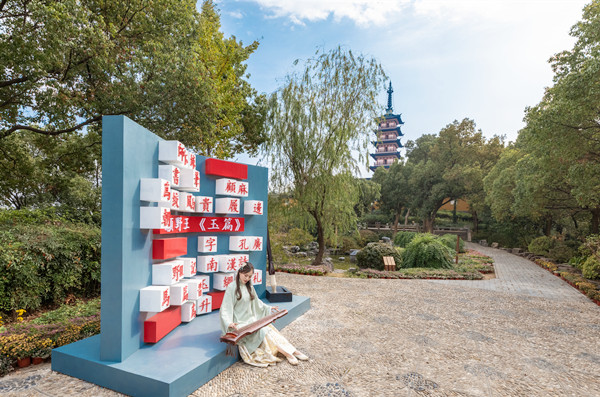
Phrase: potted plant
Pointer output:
(19, 347)
(41, 350)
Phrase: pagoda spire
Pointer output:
(389, 91)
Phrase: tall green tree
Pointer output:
(317, 119)
(559, 169)
(65, 63)
(396, 189)
(448, 167)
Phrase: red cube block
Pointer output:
(166, 248)
(226, 168)
(159, 325)
(217, 299)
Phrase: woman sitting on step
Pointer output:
(241, 307)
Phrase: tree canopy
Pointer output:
(317, 121)
(64, 64)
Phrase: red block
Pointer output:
(159, 325)
(225, 168)
(167, 248)
(217, 299)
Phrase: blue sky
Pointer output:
(482, 59)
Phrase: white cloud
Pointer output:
(235, 14)
(362, 12)
(374, 12)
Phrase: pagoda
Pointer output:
(388, 137)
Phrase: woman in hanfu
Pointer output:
(241, 307)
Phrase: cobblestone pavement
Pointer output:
(526, 333)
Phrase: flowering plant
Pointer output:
(17, 346)
(42, 348)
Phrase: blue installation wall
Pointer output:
(127, 232)
(175, 227)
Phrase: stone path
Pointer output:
(518, 275)
(525, 333)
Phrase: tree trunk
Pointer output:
(396, 220)
(475, 222)
(454, 217)
(548, 226)
(321, 242)
(428, 225)
(595, 220)
(406, 216)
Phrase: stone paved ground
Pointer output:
(525, 333)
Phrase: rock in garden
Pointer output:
(495, 245)
(341, 258)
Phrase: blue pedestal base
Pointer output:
(180, 363)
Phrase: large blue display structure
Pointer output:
(191, 354)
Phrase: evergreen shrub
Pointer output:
(561, 252)
(401, 239)
(372, 256)
(426, 250)
(591, 268)
(541, 245)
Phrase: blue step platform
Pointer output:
(180, 363)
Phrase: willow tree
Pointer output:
(319, 125)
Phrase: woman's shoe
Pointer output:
(292, 360)
(300, 356)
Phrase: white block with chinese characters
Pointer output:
(239, 243)
(207, 244)
(172, 152)
(242, 259)
(189, 267)
(187, 202)
(204, 204)
(190, 180)
(188, 312)
(253, 207)
(179, 293)
(231, 187)
(191, 159)
(154, 298)
(154, 217)
(222, 280)
(207, 263)
(257, 277)
(256, 243)
(167, 273)
(226, 187)
(204, 280)
(245, 243)
(156, 190)
(227, 205)
(203, 305)
(195, 289)
(171, 173)
(175, 203)
(228, 263)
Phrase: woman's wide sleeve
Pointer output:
(227, 308)
(260, 308)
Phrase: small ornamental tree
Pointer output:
(427, 250)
